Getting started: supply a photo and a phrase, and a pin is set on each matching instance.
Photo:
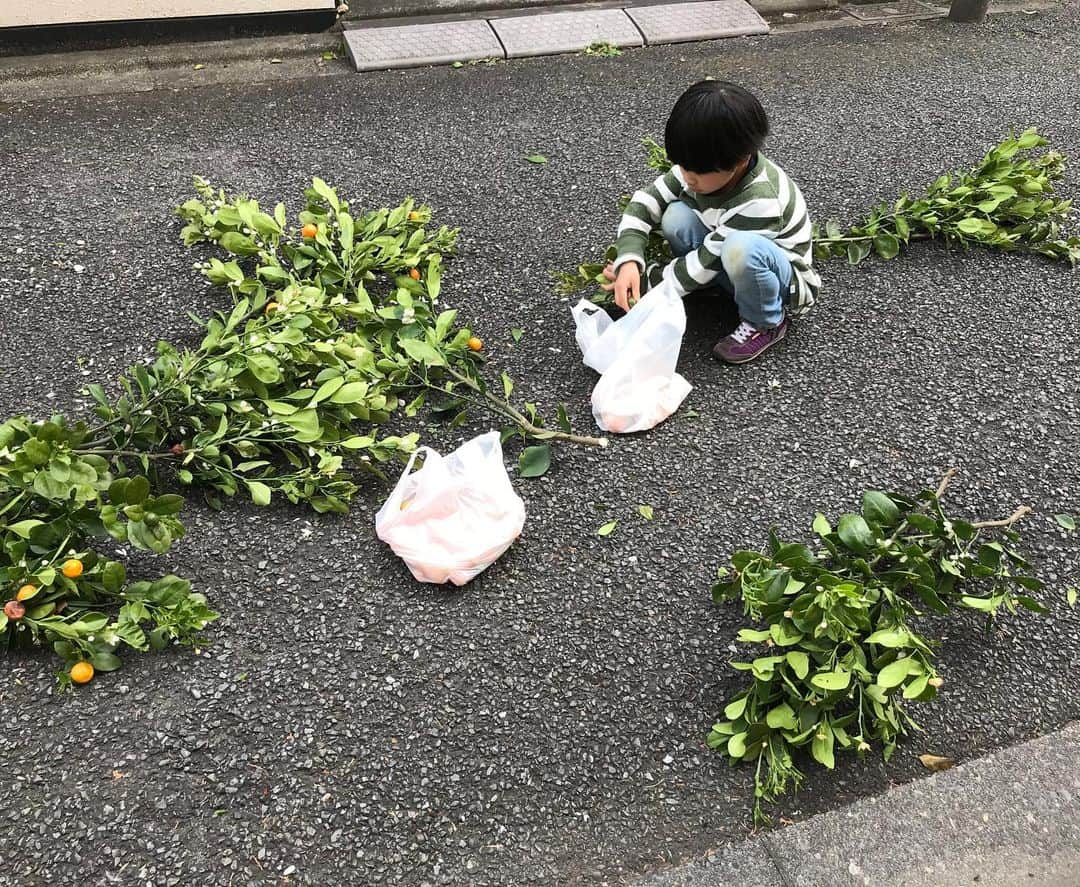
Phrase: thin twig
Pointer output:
(1005, 522)
(522, 421)
(949, 475)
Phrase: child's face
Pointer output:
(711, 182)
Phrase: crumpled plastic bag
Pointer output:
(636, 356)
(453, 518)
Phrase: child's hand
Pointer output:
(626, 284)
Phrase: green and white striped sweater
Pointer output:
(765, 201)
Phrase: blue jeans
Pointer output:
(756, 271)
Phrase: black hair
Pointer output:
(713, 126)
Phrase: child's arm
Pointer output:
(641, 216)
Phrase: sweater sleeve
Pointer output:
(643, 214)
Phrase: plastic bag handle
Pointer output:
(396, 494)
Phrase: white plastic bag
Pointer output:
(636, 356)
(454, 517)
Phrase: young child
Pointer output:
(733, 218)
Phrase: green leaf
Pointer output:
(328, 388)
(880, 509)
(534, 461)
(822, 746)
(734, 710)
(752, 636)
(306, 423)
(350, 392)
(1065, 521)
(113, 576)
(136, 491)
(326, 193)
(886, 245)
(857, 251)
(422, 352)
(23, 527)
(831, 680)
(516, 334)
(893, 674)
(821, 525)
(645, 511)
(536, 158)
(982, 604)
(854, 533)
(782, 717)
(889, 638)
(561, 419)
(799, 662)
(444, 323)
(1070, 596)
(508, 386)
(260, 492)
(105, 662)
(606, 529)
(240, 244)
(264, 368)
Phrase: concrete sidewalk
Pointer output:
(1006, 820)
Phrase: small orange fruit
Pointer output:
(309, 230)
(26, 592)
(475, 344)
(413, 216)
(72, 568)
(414, 273)
(271, 307)
(81, 672)
(177, 449)
(14, 610)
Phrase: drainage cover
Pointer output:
(881, 12)
(408, 46)
(682, 22)
(550, 33)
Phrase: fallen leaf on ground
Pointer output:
(606, 529)
(936, 762)
(536, 158)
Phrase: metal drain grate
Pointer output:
(882, 12)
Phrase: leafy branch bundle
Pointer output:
(1006, 202)
(841, 654)
(330, 335)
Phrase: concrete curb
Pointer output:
(1011, 818)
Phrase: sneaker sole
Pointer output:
(741, 360)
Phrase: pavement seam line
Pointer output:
(766, 845)
(498, 39)
(637, 27)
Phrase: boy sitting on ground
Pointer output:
(733, 218)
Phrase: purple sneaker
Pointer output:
(747, 342)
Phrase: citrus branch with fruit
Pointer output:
(331, 337)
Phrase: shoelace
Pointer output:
(744, 332)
